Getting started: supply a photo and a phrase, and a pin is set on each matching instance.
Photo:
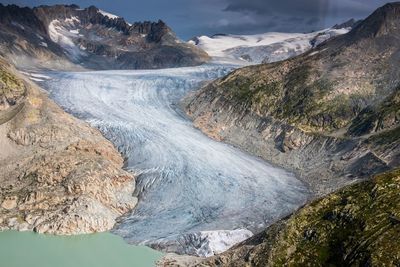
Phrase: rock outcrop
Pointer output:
(58, 175)
(68, 37)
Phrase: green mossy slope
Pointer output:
(356, 226)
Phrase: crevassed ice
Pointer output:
(187, 183)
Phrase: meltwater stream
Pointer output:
(190, 187)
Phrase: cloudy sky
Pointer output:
(189, 18)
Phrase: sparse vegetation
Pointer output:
(356, 226)
(299, 97)
(11, 89)
(373, 119)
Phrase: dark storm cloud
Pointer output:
(301, 15)
(268, 7)
(189, 18)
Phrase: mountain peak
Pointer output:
(383, 21)
(92, 38)
(351, 23)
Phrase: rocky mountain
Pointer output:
(58, 175)
(332, 115)
(267, 47)
(66, 37)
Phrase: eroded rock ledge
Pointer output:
(58, 175)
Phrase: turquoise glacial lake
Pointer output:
(28, 249)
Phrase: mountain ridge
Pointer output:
(89, 38)
(332, 116)
(382, 21)
(265, 47)
(307, 103)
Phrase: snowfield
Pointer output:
(62, 32)
(267, 47)
(196, 195)
(215, 46)
(111, 16)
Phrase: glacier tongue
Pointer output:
(188, 184)
(204, 243)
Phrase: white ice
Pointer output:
(220, 241)
(104, 13)
(36, 77)
(63, 32)
(186, 182)
(273, 46)
(215, 46)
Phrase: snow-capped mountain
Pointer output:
(62, 35)
(267, 47)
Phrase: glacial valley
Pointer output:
(263, 149)
(196, 196)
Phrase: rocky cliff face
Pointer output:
(58, 175)
(331, 114)
(356, 226)
(68, 37)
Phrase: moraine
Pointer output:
(196, 195)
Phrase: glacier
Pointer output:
(196, 195)
(266, 47)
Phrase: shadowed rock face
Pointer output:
(58, 175)
(332, 112)
(66, 37)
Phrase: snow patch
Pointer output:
(62, 32)
(43, 44)
(111, 16)
(39, 36)
(17, 25)
(36, 77)
(72, 20)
